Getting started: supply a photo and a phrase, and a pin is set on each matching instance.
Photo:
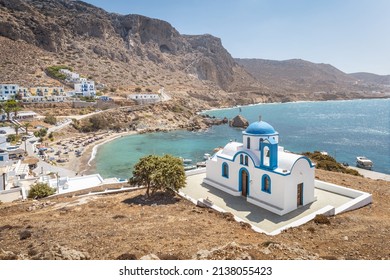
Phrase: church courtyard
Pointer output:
(260, 219)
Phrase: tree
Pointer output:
(165, 173)
(26, 126)
(40, 190)
(8, 111)
(11, 106)
(17, 127)
(138, 89)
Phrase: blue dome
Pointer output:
(260, 128)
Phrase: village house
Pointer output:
(145, 98)
(85, 88)
(70, 76)
(8, 91)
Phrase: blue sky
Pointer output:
(352, 35)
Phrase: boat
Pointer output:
(189, 167)
(206, 156)
(186, 160)
(364, 162)
(201, 164)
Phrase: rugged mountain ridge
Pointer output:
(372, 79)
(297, 75)
(67, 27)
(124, 52)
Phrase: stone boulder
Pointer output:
(239, 121)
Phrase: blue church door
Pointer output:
(244, 182)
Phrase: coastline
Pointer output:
(87, 158)
(85, 164)
(288, 102)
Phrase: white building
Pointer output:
(8, 91)
(262, 172)
(70, 76)
(145, 98)
(85, 88)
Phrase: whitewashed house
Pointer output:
(145, 98)
(8, 91)
(70, 76)
(262, 172)
(85, 88)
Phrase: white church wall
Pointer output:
(214, 174)
(301, 173)
(276, 197)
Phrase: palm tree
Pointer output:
(11, 106)
(16, 109)
(8, 111)
(26, 126)
(17, 127)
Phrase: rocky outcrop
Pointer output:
(230, 251)
(239, 121)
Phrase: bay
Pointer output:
(344, 129)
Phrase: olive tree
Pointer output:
(159, 173)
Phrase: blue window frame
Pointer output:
(248, 143)
(225, 170)
(246, 160)
(241, 159)
(266, 184)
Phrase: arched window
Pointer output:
(266, 184)
(241, 159)
(266, 156)
(248, 142)
(246, 160)
(225, 170)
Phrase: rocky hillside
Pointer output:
(372, 79)
(121, 51)
(124, 52)
(314, 80)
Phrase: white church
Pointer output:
(263, 172)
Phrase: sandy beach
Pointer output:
(77, 153)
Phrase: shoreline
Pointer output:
(109, 139)
(87, 158)
(85, 164)
(297, 101)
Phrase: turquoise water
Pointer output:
(344, 129)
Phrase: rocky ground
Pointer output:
(127, 226)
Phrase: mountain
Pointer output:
(372, 79)
(121, 51)
(312, 80)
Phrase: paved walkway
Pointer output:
(372, 174)
(44, 168)
(260, 218)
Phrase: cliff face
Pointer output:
(64, 27)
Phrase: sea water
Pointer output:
(344, 129)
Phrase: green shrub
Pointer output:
(50, 120)
(326, 162)
(40, 133)
(40, 190)
(54, 71)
